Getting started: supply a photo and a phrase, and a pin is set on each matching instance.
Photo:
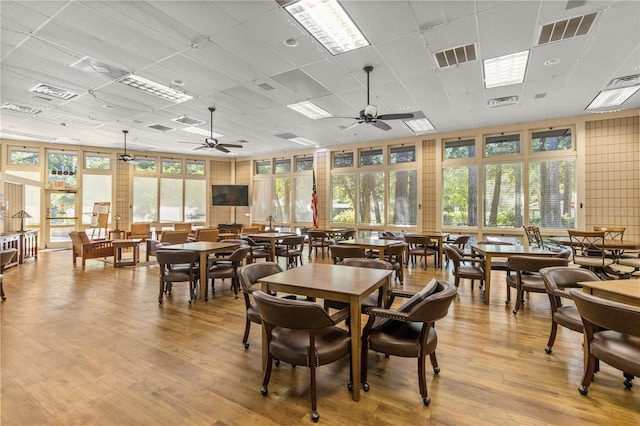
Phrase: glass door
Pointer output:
(61, 218)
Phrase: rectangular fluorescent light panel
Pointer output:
(304, 141)
(328, 23)
(505, 70)
(202, 132)
(154, 88)
(310, 109)
(614, 97)
(420, 125)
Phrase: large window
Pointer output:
(95, 189)
(403, 197)
(282, 199)
(24, 156)
(460, 196)
(261, 204)
(523, 180)
(343, 198)
(371, 198)
(195, 200)
(97, 161)
(171, 200)
(303, 186)
(145, 199)
(62, 168)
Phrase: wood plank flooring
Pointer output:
(93, 347)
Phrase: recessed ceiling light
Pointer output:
(614, 97)
(178, 82)
(21, 108)
(291, 42)
(56, 92)
(310, 109)
(552, 62)
(505, 70)
(328, 23)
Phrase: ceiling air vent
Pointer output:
(567, 28)
(160, 127)
(21, 108)
(188, 121)
(56, 92)
(265, 86)
(506, 100)
(629, 80)
(455, 56)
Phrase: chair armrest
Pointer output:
(562, 293)
(340, 315)
(400, 293)
(387, 313)
(97, 244)
(473, 260)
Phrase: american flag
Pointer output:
(314, 202)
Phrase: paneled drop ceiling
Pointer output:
(233, 55)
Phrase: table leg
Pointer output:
(487, 278)
(440, 252)
(273, 250)
(202, 293)
(116, 255)
(355, 318)
(265, 289)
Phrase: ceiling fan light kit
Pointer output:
(213, 143)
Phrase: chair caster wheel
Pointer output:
(264, 391)
(159, 302)
(436, 370)
(277, 362)
(583, 390)
(506, 302)
(628, 384)
(350, 387)
(386, 355)
(548, 350)
(246, 345)
(315, 416)
(426, 401)
(365, 387)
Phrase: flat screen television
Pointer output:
(230, 195)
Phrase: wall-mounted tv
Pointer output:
(230, 195)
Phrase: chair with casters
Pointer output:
(460, 242)
(249, 275)
(227, 268)
(420, 246)
(82, 246)
(302, 333)
(166, 238)
(207, 234)
(558, 281)
(5, 258)
(588, 251)
(291, 249)
(395, 256)
(612, 334)
(341, 252)
(347, 235)
(257, 250)
(318, 240)
(409, 330)
(527, 277)
(177, 266)
(468, 267)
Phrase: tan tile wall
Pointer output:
(429, 193)
(122, 195)
(612, 174)
(243, 177)
(323, 171)
(219, 173)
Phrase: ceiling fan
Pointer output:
(127, 158)
(370, 113)
(213, 143)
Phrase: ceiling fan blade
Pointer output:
(229, 145)
(222, 148)
(395, 116)
(352, 125)
(381, 125)
(201, 147)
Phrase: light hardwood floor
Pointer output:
(93, 347)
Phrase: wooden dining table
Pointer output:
(371, 244)
(273, 238)
(204, 248)
(490, 251)
(348, 284)
(609, 243)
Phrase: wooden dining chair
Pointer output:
(527, 277)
